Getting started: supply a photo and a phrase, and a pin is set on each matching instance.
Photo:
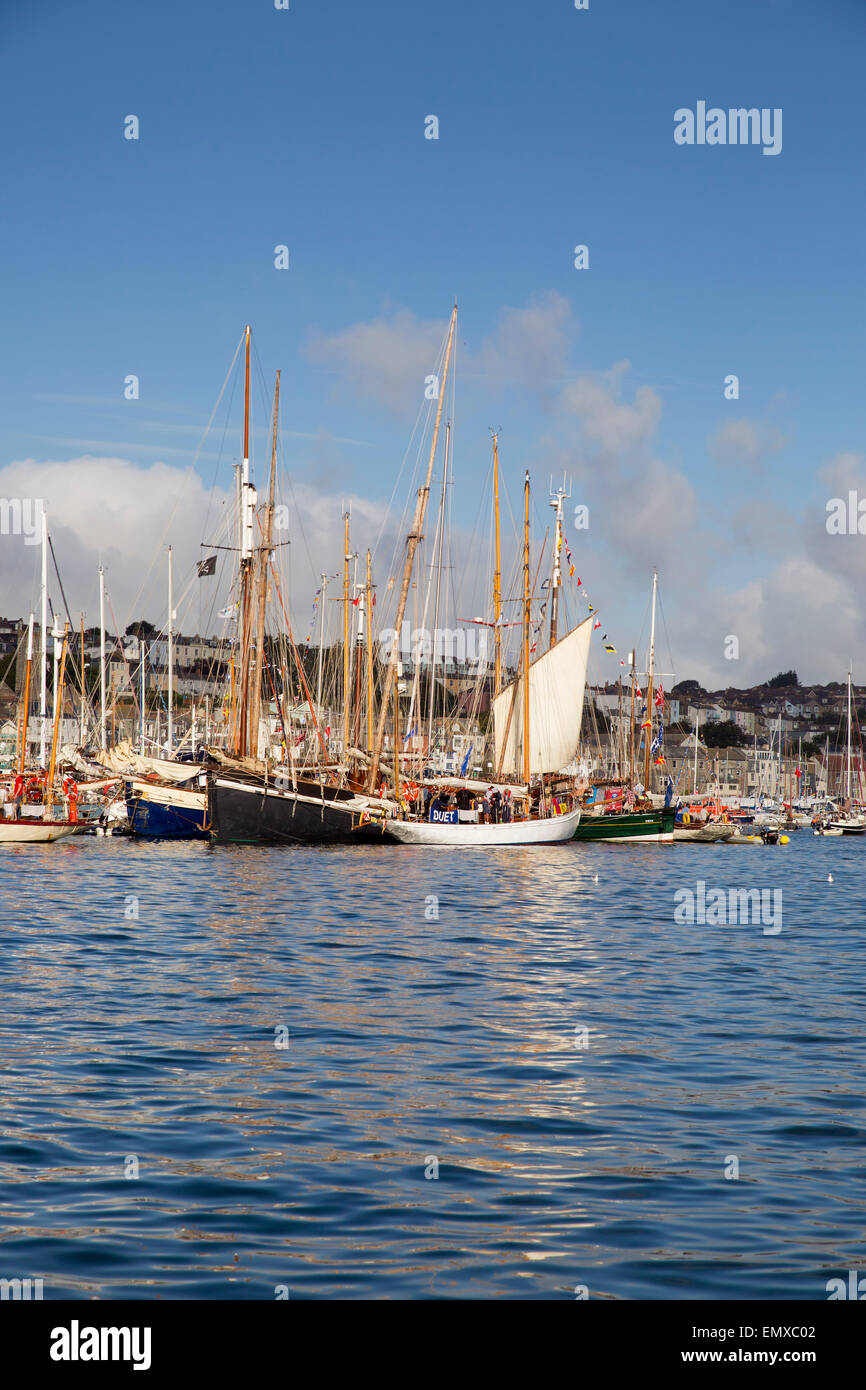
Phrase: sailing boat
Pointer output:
(647, 824)
(42, 824)
(537, 729)
(164, 802)
(850, 822)
(248, 801)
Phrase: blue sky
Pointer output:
(306, 127)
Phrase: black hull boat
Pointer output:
(245, 809)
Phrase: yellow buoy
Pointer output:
(784, 839)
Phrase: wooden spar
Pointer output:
(347, 654)
(359, 659)
(246, 563)
(170, 737)
(515, 689)
(234, 707)
(57, 710)
(497, 578)
(631, 729)
(412, 541)
(649, 694)
(26, 712)
(526, 593)
(83, 686)
(263, 556)
(620, 742)
(369, 604)
(298, 663)
(556, 577)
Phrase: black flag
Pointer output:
(206, 567)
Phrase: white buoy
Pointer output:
(829, 878)
(595, 880)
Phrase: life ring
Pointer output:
(410, 791)
(687, 820)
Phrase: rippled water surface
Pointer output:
(152, 1042)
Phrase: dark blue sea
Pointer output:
(247, 1090)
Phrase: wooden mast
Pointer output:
(369, 607)
(264, 554)
(649, 694)
(526, 593)
(556, 577)
(412, 541)
(83, 686)
(359, 603)
(497, 578)
(347, 654)
(631, 728)
(26, 712)
(246, 564)
(58, 707)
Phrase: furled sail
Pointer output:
(556, 685)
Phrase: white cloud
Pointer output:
(385, 360)
(746, 443)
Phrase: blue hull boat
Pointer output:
(166, 813)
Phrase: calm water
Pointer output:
(412, 1039)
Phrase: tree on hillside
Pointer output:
(142, 629)
(687, 688)
(784, 678)
(723, 734)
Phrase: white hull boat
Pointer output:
(546, 831)
(31, 831)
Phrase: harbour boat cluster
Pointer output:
(298, 743)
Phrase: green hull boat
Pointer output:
(655, 826)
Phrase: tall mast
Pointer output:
(369, 610)
(631, 727)
(697, 725)
(440, 539)
(26, 713)
(83, 686)
(848, 773)
(57, 637)
(556, 583)
(321, 644)
(649, 695)
(360, 604)
(170, 736)
(43, 682)
(264, 555)
(347, 651)
(58, 706)
(411, 546)
(526, 600)
(102, 736)
(142, 652)
(248, 506)
(497, 578)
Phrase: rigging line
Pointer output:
(185, 476)
(421, 410)
(59, 580)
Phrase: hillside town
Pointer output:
(778, 739)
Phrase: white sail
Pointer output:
(124, 759)
(556, 685)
